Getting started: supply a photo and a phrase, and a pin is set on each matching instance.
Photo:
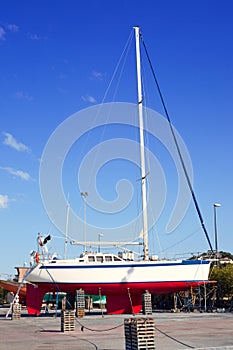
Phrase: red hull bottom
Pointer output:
(121, 299)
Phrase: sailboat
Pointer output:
(120, 278)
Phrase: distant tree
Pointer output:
(226, 255)
(211, 254)
(3, 294)
(223, 274)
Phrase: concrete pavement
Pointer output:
(174, 331)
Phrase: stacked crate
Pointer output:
(80, 303)
(146, 303)
(16, 311)
(67, 320)
(139, 334)
(128, 336)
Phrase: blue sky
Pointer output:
(57, 58)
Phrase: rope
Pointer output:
(172, 338)
(177, 147)
(180, 241)
(82, 326)
(130, 299)
(120, 325)
(97, 330)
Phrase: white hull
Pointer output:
(70, 271)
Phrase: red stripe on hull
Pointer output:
(121, 298)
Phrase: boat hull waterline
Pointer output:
(123, 283)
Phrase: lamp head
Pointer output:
(84, 194)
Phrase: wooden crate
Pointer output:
(16, 311)
(128, 336)
(80, 312)
(67, 328)
(139, 334)
(80, 303)
(67, 320)
(146, 304)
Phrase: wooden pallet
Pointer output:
(139, 334)
(68, 314)
(67, 328)
(146, 304)
(67, 320)
(147, 310)
(80, 303)
(15, 316)
(16, 311)
(81, 312)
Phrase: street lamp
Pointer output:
(84, 195)
(216, 205)
(99, 235)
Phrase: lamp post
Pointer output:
(84, 195)
(67, 228)
(216, 205)
(99, 235)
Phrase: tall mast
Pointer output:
(142, 148)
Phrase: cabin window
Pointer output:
(108, 258)
(91, 258)
(99, 258)
(116, 258)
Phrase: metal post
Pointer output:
(67, 229)
(216, 205)
(84, 195)
(205, 308)
(99, 235)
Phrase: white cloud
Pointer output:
(97, 75)
(13, 143)
(2, 34)
(88, 98)
(7, 28)
(35, 37)
(19, 173)
(22, 95)
(12, 27)
(4, 201)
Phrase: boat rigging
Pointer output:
(122, 279)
